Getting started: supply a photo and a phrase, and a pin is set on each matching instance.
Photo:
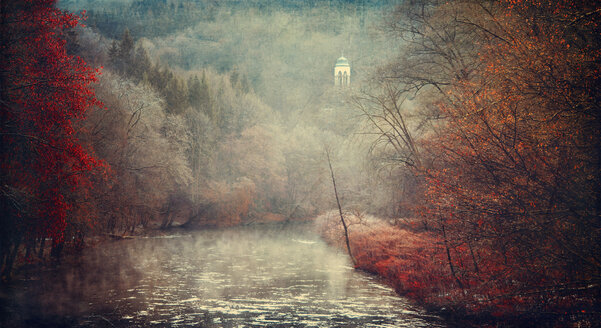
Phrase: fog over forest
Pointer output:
(272, 106)
(450, 148)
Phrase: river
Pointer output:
(260, 276)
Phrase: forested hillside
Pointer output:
(463, 160)
(491, 112)
(284, 50)
(203, 124)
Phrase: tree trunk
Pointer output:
(446, 245)
(10, 260)
(476, 269)
(42, 244)
(56, 250)
(346, 238)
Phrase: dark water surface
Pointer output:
(246, 277)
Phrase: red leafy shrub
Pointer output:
(416, 265)
(43, 92)
(411, 262)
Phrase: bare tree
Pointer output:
(344, 225)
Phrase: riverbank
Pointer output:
(415, 263)
(281, 275)
(29, 268)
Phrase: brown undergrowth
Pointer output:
(414, 262)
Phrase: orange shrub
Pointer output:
(411, 262)
(229, 204)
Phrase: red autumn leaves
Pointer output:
(45, 92)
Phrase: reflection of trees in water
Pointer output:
(278, 272)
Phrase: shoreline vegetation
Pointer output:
(406, 256)
(475, 124)
(27, 261)
(412, 260)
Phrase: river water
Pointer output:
(282, 276)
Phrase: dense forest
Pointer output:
(178, 130)
(466, 152)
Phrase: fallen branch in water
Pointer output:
(119, 237)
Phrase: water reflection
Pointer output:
(251, 277)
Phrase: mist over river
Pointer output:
(258, 276)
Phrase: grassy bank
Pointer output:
(415, 262)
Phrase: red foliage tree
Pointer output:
(44, 92)
(515, 177)
(511, 157)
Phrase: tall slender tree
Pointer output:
(43, 92)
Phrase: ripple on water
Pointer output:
(253, 277)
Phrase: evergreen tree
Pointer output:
(175, 95)
(244, 84)
(194, 92)
(234, 77)
(205, 102)
(141, 64)
(154, 77)
(114, 53)
(126, 47)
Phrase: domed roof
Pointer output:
(342, 62)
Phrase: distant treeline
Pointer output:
(152, 18)
(285, 54)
